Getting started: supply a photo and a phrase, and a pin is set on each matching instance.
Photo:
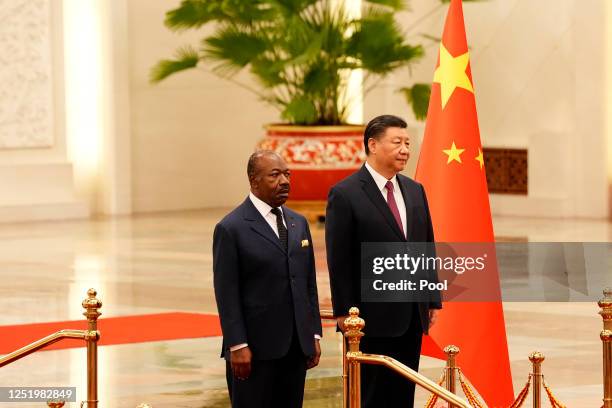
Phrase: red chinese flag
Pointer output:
(451, 168)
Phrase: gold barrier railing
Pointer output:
(91, 337)
(535, 379)
(353, 358)
(451, 371)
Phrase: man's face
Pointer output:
(392, 150)
(271, 181)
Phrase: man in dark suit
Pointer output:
(377, 204)
(264, 278)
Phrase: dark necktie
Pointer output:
(393, 206)
(282, 231)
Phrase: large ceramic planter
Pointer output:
(318, 156)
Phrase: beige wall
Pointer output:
(191, 134)
(539, 75)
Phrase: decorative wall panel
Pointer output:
(506, 170)
(25, 74)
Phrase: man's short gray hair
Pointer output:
(254, 158)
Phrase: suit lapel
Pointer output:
(409, 207)
(259, 225)
(374, 194)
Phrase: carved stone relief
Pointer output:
(25, 74)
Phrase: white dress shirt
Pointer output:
(266, 212)
(381, 181)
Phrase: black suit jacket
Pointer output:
(357, 212)
(262, 290)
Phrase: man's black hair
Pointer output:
(377, 127)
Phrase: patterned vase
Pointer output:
(318, 156)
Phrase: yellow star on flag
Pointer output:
(451, 74)
(453, 154)
(480, 158)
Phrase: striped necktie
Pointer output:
(282, 231)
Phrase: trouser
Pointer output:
(277, 383)
(382, 387)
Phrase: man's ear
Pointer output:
(253, 182)
(372, 145)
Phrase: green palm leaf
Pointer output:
(417, 97)
(395, 5)
(380, 46)
(233, 48)
(298, 51)
(300, 110)
(318, 78)
(268, 71)
(196, 13)
(186, 58)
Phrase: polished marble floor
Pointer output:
(162, 262)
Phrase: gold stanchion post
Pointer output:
(92, 306)
(606, 337)
(345, 386)
(353, 326)
(451, 369)
(536, 359)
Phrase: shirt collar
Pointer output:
(381, 180)
(263, 207)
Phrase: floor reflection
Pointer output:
(161, 263)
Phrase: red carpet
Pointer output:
(116, 330)
(134, 329)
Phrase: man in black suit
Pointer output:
(377, 204)
(266, 291)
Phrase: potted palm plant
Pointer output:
(301, 53)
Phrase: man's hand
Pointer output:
(340, 321)
(241, 363)
(433, 316)
(313, 361)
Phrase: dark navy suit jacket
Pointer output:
(263, 291)
(357, 212)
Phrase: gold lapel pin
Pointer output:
(305, 243)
